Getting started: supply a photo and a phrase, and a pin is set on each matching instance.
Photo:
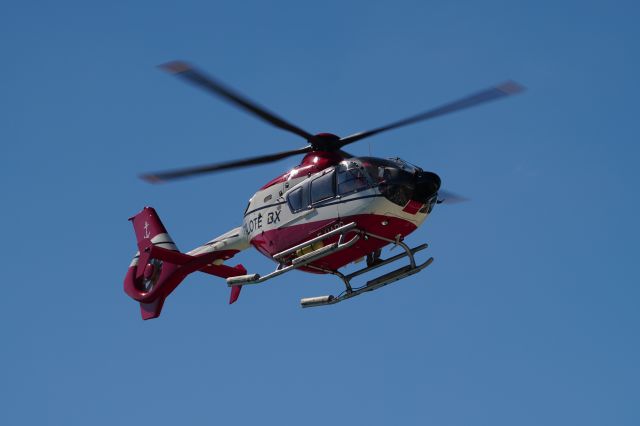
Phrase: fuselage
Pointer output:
(389, 198)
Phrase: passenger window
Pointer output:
(322, 188)
(295, 200)
(352, 180)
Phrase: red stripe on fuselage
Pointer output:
(274, 241)
(412, 207)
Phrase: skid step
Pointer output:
(338, 231)
(314, 255)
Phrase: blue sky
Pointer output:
(528, 315)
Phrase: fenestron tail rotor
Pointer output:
(318, 142)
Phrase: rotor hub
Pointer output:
(325, 142)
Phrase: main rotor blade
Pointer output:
(158, 177)
(194, 76)
(504, 89)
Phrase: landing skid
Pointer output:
(286, 264)
(375, 283)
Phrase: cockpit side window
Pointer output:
(295, 198)
(323, 188)
(353, 179)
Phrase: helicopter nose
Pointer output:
(427, 185)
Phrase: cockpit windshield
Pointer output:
(394, 177)
(378, 169)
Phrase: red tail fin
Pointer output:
(159, 267)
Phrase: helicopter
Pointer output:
(332, 210)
